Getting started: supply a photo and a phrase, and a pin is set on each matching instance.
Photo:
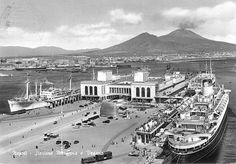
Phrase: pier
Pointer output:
(70, 98)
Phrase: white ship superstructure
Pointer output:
(195, 82)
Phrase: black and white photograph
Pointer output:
(117, 81)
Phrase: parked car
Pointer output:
(67, 146)
(46, 138)
(134, 154)
(65, 142)
(58, 142)
(76, 142)
(106, 121)
(91, 124)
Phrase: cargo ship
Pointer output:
(48, 97)
(201, 122)
(27, 102)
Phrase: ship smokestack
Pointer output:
(207, 87)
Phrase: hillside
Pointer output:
(14, 51)
(180, 41)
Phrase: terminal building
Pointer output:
(138, 86)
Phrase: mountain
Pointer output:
(13, 51)
(181, 41)
(178, 41)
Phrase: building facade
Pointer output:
(137, 87)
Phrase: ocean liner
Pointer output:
(201, 122)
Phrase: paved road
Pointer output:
(39, 129)
(106, 146)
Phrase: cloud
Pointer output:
(119, 15)
(194, 18)
(80, 36)
(217, 22)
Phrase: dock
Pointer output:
(70, 98)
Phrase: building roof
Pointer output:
(94, 82)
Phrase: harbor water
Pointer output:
(225, 71)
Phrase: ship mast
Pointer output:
(36, 88)
(27, 87)
(117, 70)
(40, 89)
(210, 67)
(70, 80)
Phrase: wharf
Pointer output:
(73, 96)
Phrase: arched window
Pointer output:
(95, 90)
(143, 92)
(86, 90)
(91, 90)
(148, 92)
(137, 92)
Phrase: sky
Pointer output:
(82, 24)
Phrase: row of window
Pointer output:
(91, 90)
(143, 92)
(120, 90)
(139, 93)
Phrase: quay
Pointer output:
(71, 97)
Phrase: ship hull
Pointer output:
(25, 105)
(205, 152)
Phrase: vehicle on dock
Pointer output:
(106, 121)
(58, 142)
(134, 154)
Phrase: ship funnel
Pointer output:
(207, 87)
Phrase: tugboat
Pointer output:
(201, 122)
